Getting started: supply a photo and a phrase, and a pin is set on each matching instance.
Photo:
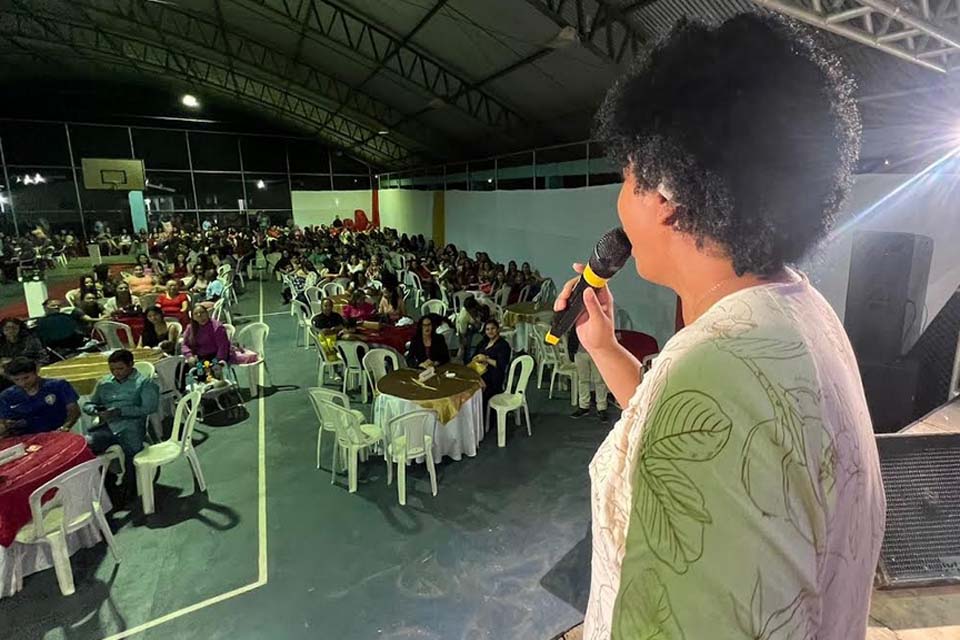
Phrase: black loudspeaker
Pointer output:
(886, 292)
(891, 389)
(935, 351)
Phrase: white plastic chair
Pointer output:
(230, 329)
(547, 293)
(180, 444)
(564, 368)
(254, 338)
(350, 353)
(513, 398)
(546, 357)
(411, 436)
(146, 369)
(353, 435)
(314, 297)
(303, 315)
(332, 289)
(415, 287)
(343, 282)
(459, 298)
(501, 297)
(322, 394)
(169, 376)
(76, 504)
(221, 313)
(111, 332)
(524, 294)
(322, 362)
(434, 306)
(375, 366)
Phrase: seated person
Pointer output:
(494, 353)
(157, 332)
(391, 304)
(123, 303)
(173, 302)
(140, 283)
(60, 331)
(206, 339)
(427, 348)
(359, 309)
(214, 290)
(19, 341)
(469, 324)
(122, 401)
(89, 312)
(35, 404)
(328, 319)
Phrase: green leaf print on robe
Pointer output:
(688, 426)
(645, 611)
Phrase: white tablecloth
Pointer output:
(20, 560)
(455, 439)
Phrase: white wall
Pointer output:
(408, 211)
(551, 229)
(321, 207)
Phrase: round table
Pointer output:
(457, 400)
(85, 370)
(520, 317)
(58, 452)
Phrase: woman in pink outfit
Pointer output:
(206, 339)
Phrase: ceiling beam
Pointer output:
(593, 20)
(358, 36)
(147, 57)
(395, 47)
(176, 27)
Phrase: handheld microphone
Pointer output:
(608, 257)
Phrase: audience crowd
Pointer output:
(171, 294)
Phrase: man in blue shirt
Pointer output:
(35, 404)
(122, 400)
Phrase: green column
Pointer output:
(138, 211)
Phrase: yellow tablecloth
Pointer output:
(85, 370)
(524, 312)
(340, 300)
(441, 394)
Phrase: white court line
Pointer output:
(261, 528)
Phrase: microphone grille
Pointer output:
(611, 253)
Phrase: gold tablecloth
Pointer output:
(524, 312)
(340, 300)
(84, 371)
(444, 395)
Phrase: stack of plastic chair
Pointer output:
(353, 436)
(322, 394)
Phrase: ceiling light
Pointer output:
(190, 101)
(489, 180)
(37, 178)
(261, 184)
(886, 162)
(382, 132)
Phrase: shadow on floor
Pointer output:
(172, 508)
(569, 579)
(76, 616)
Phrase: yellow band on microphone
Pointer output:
(550, 338)
(593, 279)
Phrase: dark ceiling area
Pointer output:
(404, 83)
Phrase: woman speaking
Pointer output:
(739, 495)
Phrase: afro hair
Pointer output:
(750, 125)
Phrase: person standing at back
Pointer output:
(739, 496)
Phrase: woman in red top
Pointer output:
(359, 309)
(173, 302)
